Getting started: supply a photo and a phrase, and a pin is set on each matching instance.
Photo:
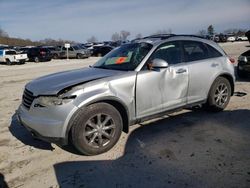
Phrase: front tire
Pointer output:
(96, 129)
(8, 62)
(79, 56)
(55, 56)
(219, 95)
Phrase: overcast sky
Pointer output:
(80, 19)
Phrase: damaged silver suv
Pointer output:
(136, 82)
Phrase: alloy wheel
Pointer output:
(221, 94)
(99, 130)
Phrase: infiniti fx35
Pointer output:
(138, 81)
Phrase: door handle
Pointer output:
(180, 71)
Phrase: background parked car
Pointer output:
(231, 39)
(75, 52)
(241, 38)
(38, 54)
(55, 51)
(101, 50)
(247, 34)
(10, 57)
(243, 68)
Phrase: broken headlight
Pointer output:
(45, 101)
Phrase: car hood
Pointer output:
(54, 83)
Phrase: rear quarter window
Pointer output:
(194, 51)
(212, 52)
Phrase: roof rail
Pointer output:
(185, 35)
(166, 36)
(161, 36)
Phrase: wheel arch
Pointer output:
(230, 79)
(226, 76)
(115, 102)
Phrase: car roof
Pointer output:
(156, 40)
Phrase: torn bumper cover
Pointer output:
(42, 126)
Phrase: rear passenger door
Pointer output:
(203, 64)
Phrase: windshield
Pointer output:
(127, 57)
(76, 48)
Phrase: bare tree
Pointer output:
(202, 32)
(138, 36)
(115, 37)
(210, 30)
(124, 35)
(92, 39)
(237, 32)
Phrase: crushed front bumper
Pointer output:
(46, 124)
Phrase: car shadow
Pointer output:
(3, 183)
(22, 134)
(2, 63)
(189, 149)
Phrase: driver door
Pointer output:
(158, 90)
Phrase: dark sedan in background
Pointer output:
(37, 54)
(243, 68)
(101, 50)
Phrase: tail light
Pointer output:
(232, 60)
(42, 52)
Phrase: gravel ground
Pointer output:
(184, 149)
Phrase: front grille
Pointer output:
(27, 98)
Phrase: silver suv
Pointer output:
(136, 82)
(75, 52)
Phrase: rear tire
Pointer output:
(219, 95)
(96, 129)
(55, 56)
(79, 56)
(36, 59)
(8, 62)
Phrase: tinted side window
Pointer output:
(170, 52)
(10, 52)
(33, 51)
(213, 52)
(194, 51)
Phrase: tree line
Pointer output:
(12, 41)
(211, 31)
(117, 36)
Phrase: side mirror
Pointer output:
(159, 63)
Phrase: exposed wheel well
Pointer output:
(231, 81)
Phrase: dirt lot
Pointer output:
(184, 149)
